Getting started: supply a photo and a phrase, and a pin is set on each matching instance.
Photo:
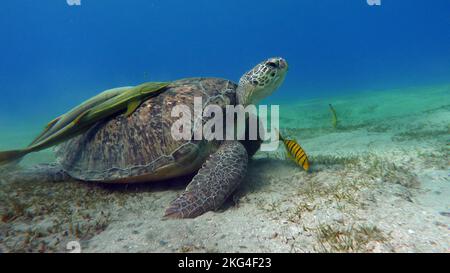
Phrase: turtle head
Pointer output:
(261, 81)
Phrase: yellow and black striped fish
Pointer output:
(296, 152)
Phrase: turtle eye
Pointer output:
(272, 64)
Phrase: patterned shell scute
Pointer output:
(122, 147)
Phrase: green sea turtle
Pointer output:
(139, 146)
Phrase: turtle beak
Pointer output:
(282, 64)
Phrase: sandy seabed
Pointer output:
(379, 182)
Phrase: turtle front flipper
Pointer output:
(219, 176)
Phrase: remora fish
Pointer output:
(81, 118)
(334, 119)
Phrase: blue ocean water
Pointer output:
(55, 55)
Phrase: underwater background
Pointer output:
(55, 55)
(379, 179)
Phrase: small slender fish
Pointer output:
(81, 118)
(334, 119)
(296, 152)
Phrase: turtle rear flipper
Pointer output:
(215, 181)
(11, 157)
(42, 172)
